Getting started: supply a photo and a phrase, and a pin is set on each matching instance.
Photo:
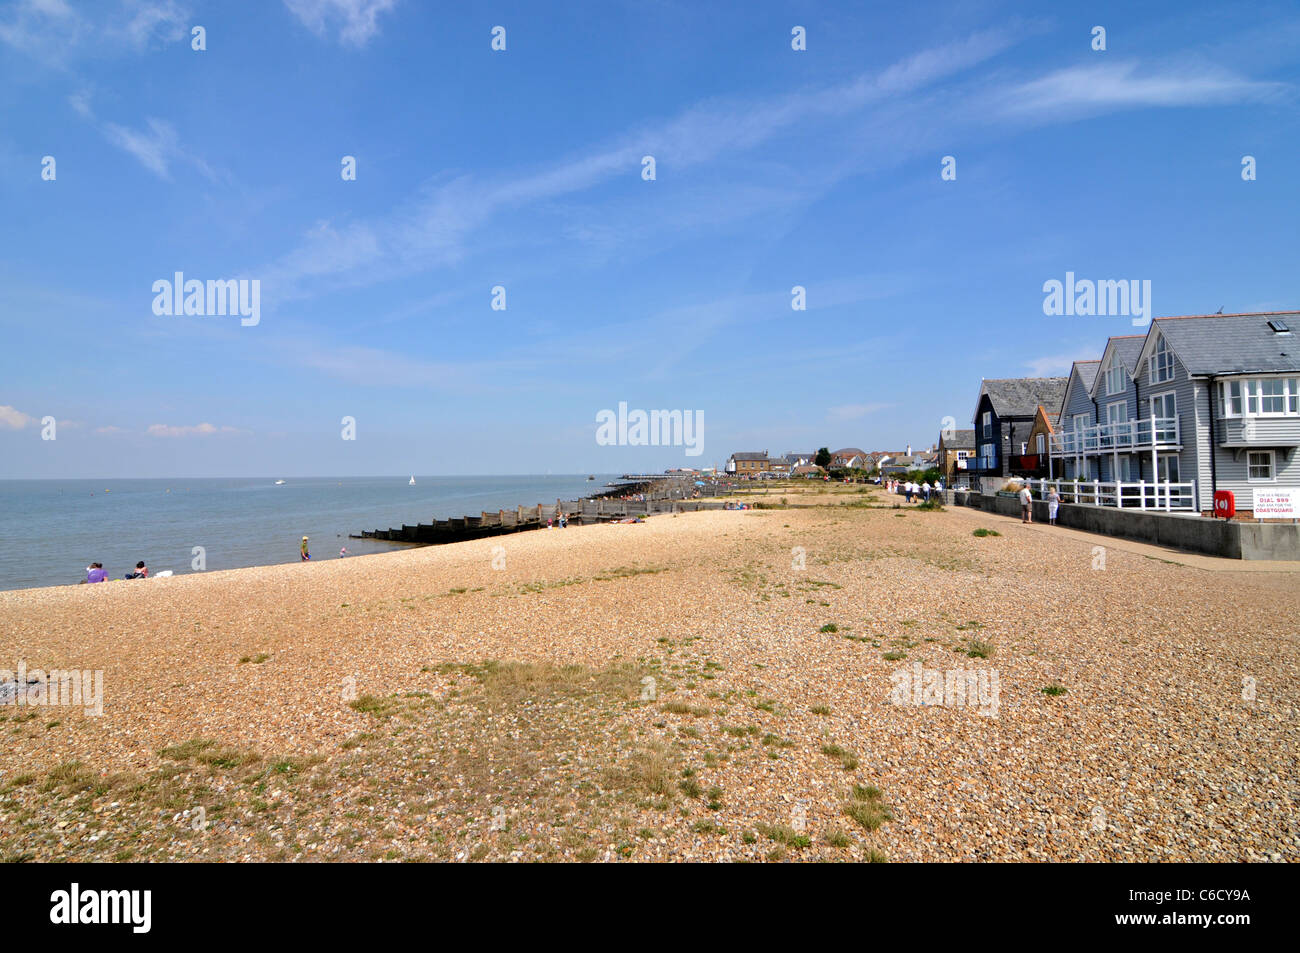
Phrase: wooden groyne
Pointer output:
(600, 508)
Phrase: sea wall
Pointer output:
(1198, 534)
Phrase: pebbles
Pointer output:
(1176, 737)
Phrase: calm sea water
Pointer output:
(50, 530)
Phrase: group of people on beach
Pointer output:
(919, 490)
(96, 572)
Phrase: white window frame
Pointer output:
(986, 424)
(1114, 378)
(1161, 398)
(1113, 418)
(1248, 401)
(1160, 366)
(1040, 444)
(1272, 466)
(1163, 460)
(1080, 422)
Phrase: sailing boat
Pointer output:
(412, 483)
(277, 483)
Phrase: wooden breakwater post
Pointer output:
(630, 499)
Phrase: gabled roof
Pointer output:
(1125, 348)
(1230, 343)
(1051, 418)
(749, 456)
(849, 452)
(958, 440)
(1020, 396)
(1085, 372)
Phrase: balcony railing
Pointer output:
(1140, 495)
(1147, 433)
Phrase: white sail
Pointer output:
(412, 483)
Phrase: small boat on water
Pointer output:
(277, 483)
(591, 478)
(412, 483)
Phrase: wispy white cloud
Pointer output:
(157, 147)
(357, 21)
(195, 430)
(1114, 85)
(11, 418)
(430, 229)
(56, 33)
(1052, 365)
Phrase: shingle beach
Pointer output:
(677, 689)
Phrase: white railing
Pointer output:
(1147, 433)
(1141, 495)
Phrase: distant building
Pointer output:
(748, 464)
(850, 458)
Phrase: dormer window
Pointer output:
(1162, 363)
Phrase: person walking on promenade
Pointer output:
(305, 555)
(1053, 504)
(1026, 504)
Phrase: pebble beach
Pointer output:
(713, 686)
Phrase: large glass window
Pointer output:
(1115, 375)
(1162, 363)
(1264, 397)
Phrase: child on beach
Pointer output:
(305, 555)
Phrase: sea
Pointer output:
(51, 530)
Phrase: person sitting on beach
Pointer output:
(95, 573)
(141, 571)
(305, 555)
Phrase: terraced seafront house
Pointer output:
(1197, 404)
(1004, 419)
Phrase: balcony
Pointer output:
(1141, 495)
(1149, 433)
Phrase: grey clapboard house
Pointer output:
(1203, 402)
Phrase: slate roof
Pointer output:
(1088, 371)
(1234, 343)
(1021, 396)
(749, 456)
(1127, 348)
(959, 440)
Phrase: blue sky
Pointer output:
(522, 168)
